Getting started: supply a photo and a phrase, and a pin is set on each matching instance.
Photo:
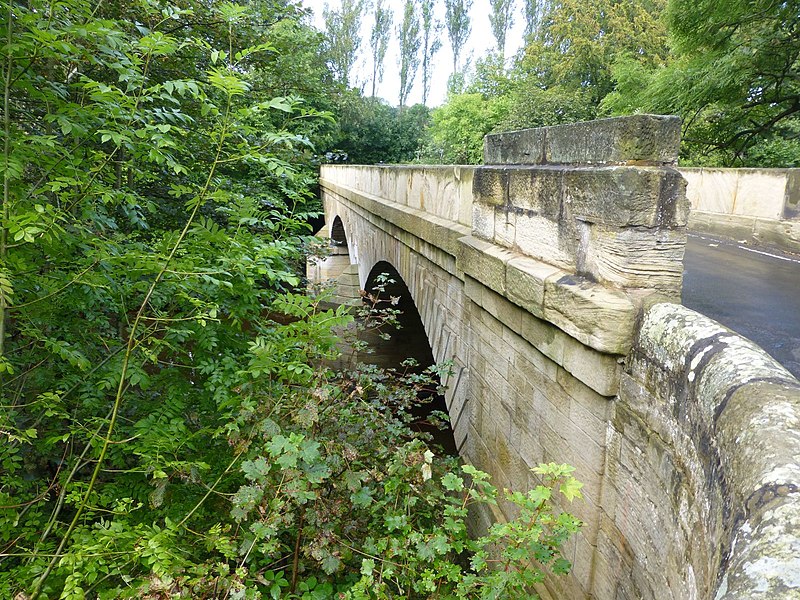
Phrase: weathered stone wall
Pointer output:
(704, 467)
(761, 206)
(546, 285)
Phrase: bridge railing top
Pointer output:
(637, 139)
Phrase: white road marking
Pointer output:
(778, 256)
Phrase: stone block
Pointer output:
(600, 317)
(490, 186)
(524, 147)
(529, 356)
(636, 257)
(546, 338)
(586, 420)
(530, 448)
(597, 370)
(652, 139)
(473, 289)
(588, 457)
(483, 217)
(525, 279)
(765, 564)
(758, 431)
(484, 262)
(784, 235)
(537, 190)
(627, 196)
(554, 242)
(505, 223)
(730, 226)
(711, 190)
(501, 309)
(598, 407)
(760, 193)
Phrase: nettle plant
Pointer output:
(168, 424)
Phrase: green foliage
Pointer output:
(412, 553)
(733, 80)
(561, 76)
(370, 131)
(535, 107)
(458, 127)
(408, 38)
(431, 43)
(170, 424)
(501, 19)
(577, 47)
(343, 37)
(458, 26)
(379, 40)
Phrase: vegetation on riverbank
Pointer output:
(167, 425)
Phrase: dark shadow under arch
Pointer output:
(410, 341)
(338, 235)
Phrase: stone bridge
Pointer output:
(550, 276)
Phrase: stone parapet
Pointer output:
(638, 139)
(442, 191)
(714, 421)
(600, 317)
(624, 226)
(755, 206)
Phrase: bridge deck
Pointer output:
(754, 293)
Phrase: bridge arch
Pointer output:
(433, 286)
(338, 235)
(409, 341)
(387, 285)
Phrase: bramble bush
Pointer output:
(168, 424)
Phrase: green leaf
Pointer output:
(331, 564)
(362, 497)
(367, 567)
(452, 482)
(571, 489)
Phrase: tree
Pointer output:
(344, 38)
(530, 106)
(408, 34)
(169, 425)
(734, 81)
(458, 128)
(577, 48)
(370, 131)
(431, 43)
(534, 11)
(490, 78)
(743, 61)
(379, 41)
(501, 20)
(458, 26)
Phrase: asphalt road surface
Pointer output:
(755, 293)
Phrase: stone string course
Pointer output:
(547, 277)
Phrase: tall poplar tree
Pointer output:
(409, 39)
(379, 41)
(501, 21)
(431, 43)
(534, 11)
(344, 38)
(458, 26)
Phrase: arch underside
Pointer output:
(436, 295)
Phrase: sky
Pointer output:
(480, 42)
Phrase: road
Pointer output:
(757, 294)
